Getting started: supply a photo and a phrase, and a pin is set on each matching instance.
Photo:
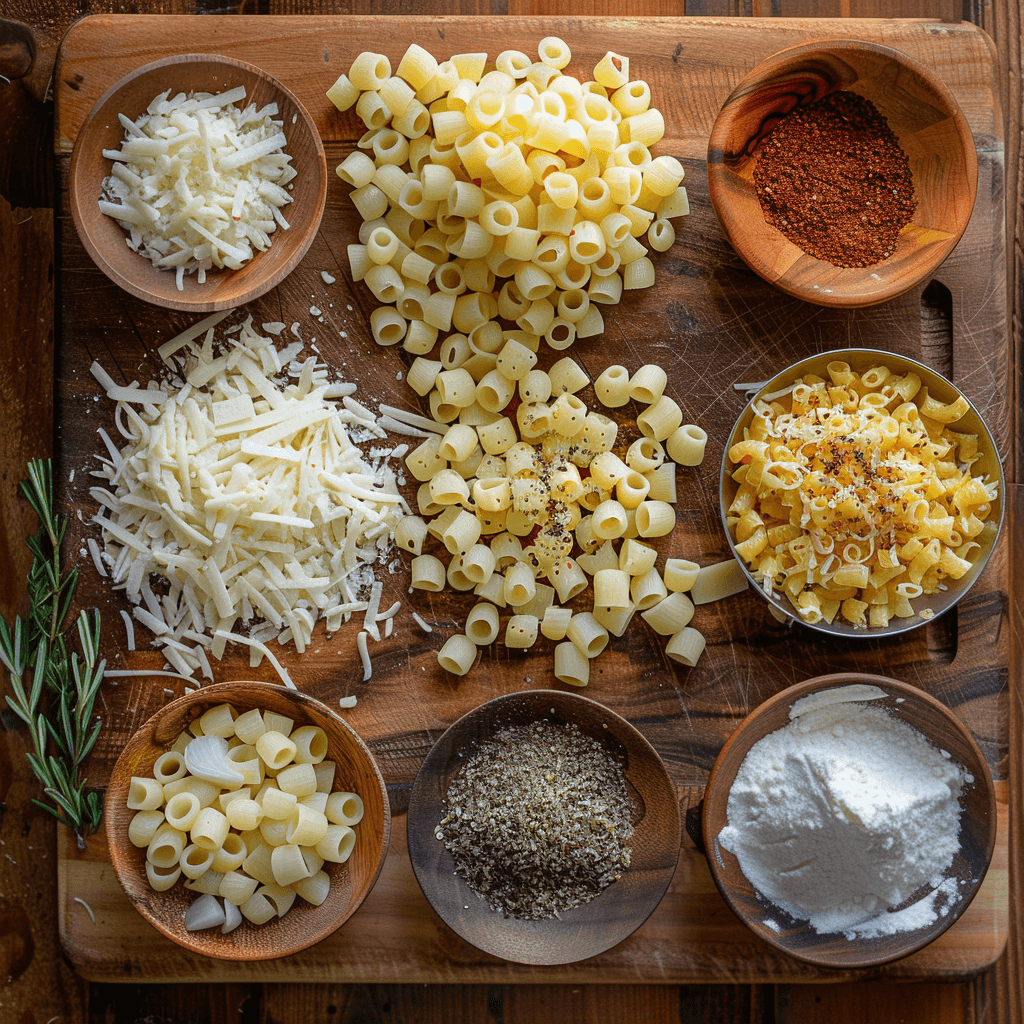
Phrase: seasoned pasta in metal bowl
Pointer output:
(861, 492)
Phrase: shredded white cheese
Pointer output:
(240, 510)
(364, 654)
(199, 182)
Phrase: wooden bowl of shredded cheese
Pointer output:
(850, 820)
(295, 882)
(198, 182)
(862, 493)
(543, 828)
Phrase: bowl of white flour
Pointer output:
(850, 820)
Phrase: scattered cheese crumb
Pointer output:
(364, 655)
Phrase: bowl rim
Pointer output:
(715, 168)
(489, 708)
(789, 695)
(837, 628)
(212, 694)
(199, 305)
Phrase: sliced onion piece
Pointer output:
(232, 917)
(206, 758)
(206, 912)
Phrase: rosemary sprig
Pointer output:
(53, 689)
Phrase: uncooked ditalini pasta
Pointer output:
(501, 174)
(254, 843)
(533, 506)
(686, 646)
(482, 624)
(571, 665)
(457, 655)
(686, 444)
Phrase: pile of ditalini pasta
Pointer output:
(544, 482)
(243, 806)
(521, 193)
(500, 211)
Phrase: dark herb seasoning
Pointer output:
(833, 179)
(538, 819)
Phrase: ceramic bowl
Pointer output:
(988, 467)
(943, 730)
(583, 931)
(104, 238)
(304, 924)
(931, 130)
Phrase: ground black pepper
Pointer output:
(833, 179)
(537, 820)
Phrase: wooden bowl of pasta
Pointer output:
(804, 247)
(293, 877)
(890, 933)
(271, 257)
(583, 930)
(862, 493)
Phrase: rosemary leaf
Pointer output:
(53, 690)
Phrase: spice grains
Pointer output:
(538, 819)
(833, 179)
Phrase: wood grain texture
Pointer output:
(34, 973)
(930, 718)
(931, 130)
(706, 301)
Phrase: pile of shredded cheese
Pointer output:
(199, 182)
(240, 501)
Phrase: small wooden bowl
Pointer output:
(989, 465)
(304, 924)
(944, 730)
(931, 129)
(586, 930)
(104, 238)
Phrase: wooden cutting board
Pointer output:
(711, 323)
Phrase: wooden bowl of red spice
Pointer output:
(843, 172)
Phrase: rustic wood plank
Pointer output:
(120, 1006)
(874, 1001)
(942, 10)
(571, 1004)
(34, 973)
(170, 1004)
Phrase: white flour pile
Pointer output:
(844, 813)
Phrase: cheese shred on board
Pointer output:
(240, 502)
(199, 182)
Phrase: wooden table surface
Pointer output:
(41, 986)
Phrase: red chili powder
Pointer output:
(833, 179)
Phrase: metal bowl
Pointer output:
(988, 466)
